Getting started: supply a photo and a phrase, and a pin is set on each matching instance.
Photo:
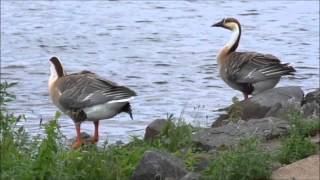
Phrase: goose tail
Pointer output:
(127, 109)
(276, 70)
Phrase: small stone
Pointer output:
(311, 104)
(156, 165)
(154, 129)
(84, 136)
(119, 143)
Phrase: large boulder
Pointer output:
(156, 165)
(230, 134)
(311, 104)
(308, 168)
(284, 96)
(154, 129)
(221, 120)
(272, 102)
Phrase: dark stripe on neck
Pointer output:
(57, 66)
(235, 45)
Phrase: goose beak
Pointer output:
(218, 24)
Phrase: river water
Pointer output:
(164, 50)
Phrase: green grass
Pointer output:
(297, 144)
(50, 159)
(236, 110)
(295, 147)
(303, 127)
(175, 135)
(23, 157)
(246, 161)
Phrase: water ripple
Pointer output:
(166, 52)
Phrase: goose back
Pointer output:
(251, 71)
(86, 89)
(251, 67)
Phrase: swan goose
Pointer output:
(84, 96)
(248, 72)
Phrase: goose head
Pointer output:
(56, 70)
(228, 23)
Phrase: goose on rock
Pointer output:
(248, 72)
(84, 96)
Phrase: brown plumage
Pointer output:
(84, 96)
(248, 72)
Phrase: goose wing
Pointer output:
(86, 89)
(251, 67)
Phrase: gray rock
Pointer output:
(272, 102)
(85, 137)
(222, 119)
(158, 165)
(281, 95)
(202, 161)
(154, 129)
(191, 176)
(312, 96)
(202, 165)
(311, 104)
(119, 143)
(229, 135)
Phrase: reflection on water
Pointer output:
(165, 51)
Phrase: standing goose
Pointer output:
(86, 96)
(248, 72)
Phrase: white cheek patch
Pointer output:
(231, 25)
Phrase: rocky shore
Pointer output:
(263, 116)
(273, 135)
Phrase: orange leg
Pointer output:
(96, 132)
(78, 142)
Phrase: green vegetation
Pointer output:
(246, 161)
(303, 127)
(49, 159)
(297, 144)
(295, 147)
(175, 135)
(236, 110)
(25, 157)
(176, 138)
